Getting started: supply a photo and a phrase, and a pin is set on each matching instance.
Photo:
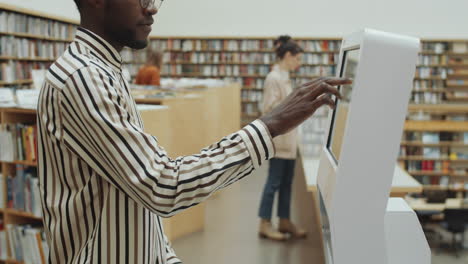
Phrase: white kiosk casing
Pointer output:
(357, 163)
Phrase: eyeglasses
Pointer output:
(145, 4)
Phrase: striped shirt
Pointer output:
(105, 183)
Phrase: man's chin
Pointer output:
(138, 44)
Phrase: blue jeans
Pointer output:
(280, 177)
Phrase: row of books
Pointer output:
(458, 61)
(27, 243)
(436, 154)
(27, 48)
(431, 60)
(460, 82)
(428, 84)
(252, 95)
(320, 45)
(427, 98)
(132, 69)
(313, 132)
(23, 191)
(459, 47)
(251, 109)
(18, 142)
(316, 71)
(239, 70)
(258, 83)
(456, 117)
(203, 57)
(3, 242)
(2, 188)
(436, 137)
(18, 97)
(459, 71)
(228, 58)
(18, 23)
(443, 181)
(129, 55)
(12, 71)
(433, 137)
(428, 166)
(239, 45)
(437, 47)
(459, 97)
(296, 82)
(423, 72)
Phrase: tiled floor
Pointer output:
(230, 235)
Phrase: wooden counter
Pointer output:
(217, 113)
(185, 124)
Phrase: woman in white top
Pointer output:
(281, 171)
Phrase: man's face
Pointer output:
(128, 23)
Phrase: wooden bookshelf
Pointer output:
(237, 54)
(439, 108)
(444, 188)
(11, 215)
(246, 51)
(33, 36)
(422, 158)
(16, 82)
(441, 97)
(428, 173)
(26, 59)
(436, 126)
(58, 32)
(34, 13)
(436, 60)
(11, 261)
(22, 162)
(440, 144)
(48, 36)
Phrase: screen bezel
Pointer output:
(332, 124)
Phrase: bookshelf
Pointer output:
(18, 200)
(440, 83)
(246, 60)
(28, 40)
(434, 147)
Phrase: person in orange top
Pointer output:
(149, 74)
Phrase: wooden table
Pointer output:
(403, 183)
(420, 205)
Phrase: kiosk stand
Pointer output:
(364, 226)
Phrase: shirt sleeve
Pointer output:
(98, 127)
(171, 257)
(271, 94)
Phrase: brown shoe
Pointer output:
(287, 227)
(267, 231)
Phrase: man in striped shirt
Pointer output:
(105, 184)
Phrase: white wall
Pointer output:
(423, 18)
(62, 8)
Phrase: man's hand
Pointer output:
(301, 104)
